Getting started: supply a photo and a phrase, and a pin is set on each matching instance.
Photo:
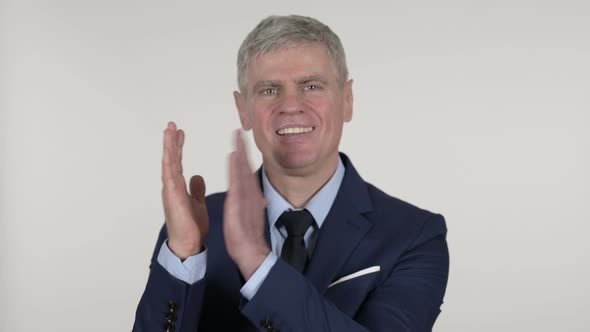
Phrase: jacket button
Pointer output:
(171, 316)
(172, 305)
(266, 323)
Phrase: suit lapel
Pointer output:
(342, 230)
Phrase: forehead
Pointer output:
(292, 63)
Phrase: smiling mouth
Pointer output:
(294, 130)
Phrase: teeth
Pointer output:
(297, 130)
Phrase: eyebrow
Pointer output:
(312, 78)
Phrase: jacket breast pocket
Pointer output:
(348, 295)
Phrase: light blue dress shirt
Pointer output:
(194, 268)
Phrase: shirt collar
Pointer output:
(319, 205)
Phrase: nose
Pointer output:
(291, 102)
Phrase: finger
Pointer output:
(240, 165)
(171, 164)
(167, 139)
(180, 138)
(234, 178)
(241, 147)
(167, 153)
(179, 147)
(249, 182)
(175, 149)
(197, 188)
(170, 137)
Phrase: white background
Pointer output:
(478, 110)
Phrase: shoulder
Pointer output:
(392, 215)
(386, 204)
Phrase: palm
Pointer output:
(243, 217)
(186, 214)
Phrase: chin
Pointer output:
(295, 160)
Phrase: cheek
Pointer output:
(261, 121)
(331, 115)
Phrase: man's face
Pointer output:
(296, 108)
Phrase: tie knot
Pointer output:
(296, 222)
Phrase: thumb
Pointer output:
(197, 188)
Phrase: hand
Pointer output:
(186, 215)
(243, 217)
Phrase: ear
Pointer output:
(348, 101)
(242, 110)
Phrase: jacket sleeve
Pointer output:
(408, 298)
(168, 299)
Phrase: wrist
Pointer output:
(184, 251)
(248, 264)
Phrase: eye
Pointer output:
(269, 91)
(311, 87)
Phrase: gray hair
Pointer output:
(279, 32)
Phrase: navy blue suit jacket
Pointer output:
(364, 228)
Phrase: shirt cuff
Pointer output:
(190, 271)
(251, 287)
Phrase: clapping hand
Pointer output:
(186, 214)
(243, 221)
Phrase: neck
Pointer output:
(299, 187)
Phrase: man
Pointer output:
(304, 244)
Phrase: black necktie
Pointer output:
(294, 251)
